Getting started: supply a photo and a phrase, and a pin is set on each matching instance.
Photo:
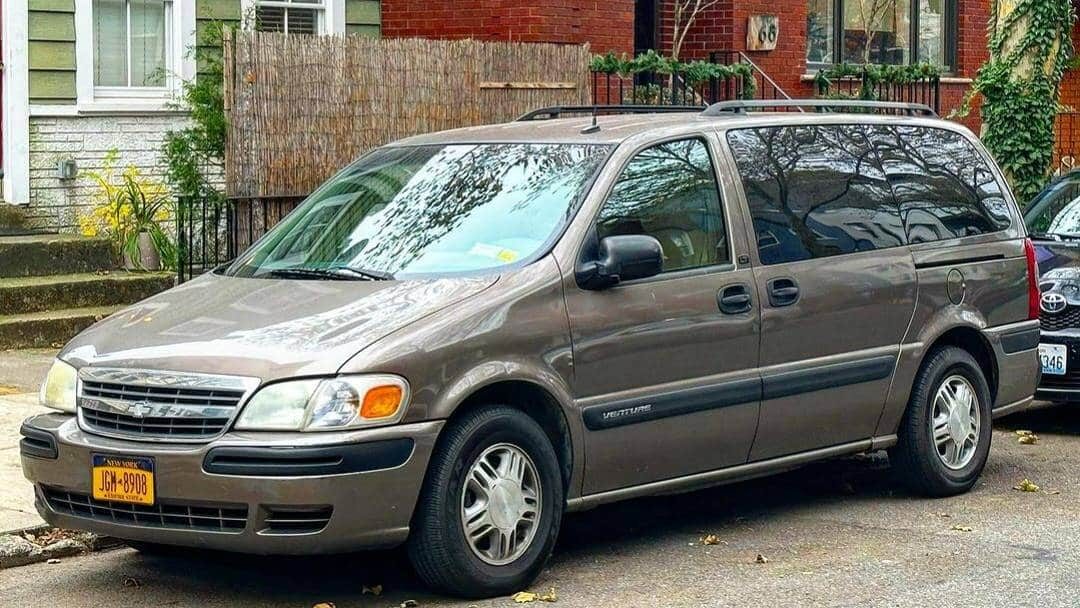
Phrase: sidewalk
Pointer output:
(20, 374)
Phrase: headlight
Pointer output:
(58, 391)
(321, 405)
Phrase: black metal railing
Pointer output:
(211, 230)
(925, 90)
(764, 87)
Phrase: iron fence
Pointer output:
(212, 230)
(925, 90)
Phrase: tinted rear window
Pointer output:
(814, 192)
(943, 185)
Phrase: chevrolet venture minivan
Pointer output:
(494, 325)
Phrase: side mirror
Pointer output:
(622, 258)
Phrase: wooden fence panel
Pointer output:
(301, 107)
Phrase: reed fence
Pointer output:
(301, 107)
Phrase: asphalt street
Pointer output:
(839, 533)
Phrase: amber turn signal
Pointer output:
(381, 401)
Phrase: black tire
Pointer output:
(437, 546)
(915, 456)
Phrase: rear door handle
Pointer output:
(734, 299)
(782, 292)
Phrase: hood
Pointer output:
(1059, 268)
(265, 328)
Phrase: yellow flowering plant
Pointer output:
(127, 205)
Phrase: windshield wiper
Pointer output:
(364, 273)
(332, 273)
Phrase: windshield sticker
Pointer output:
(494, 252)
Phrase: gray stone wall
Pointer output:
(57, 203)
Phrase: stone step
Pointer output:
(46, 254)
(64, 291)
(48, 329)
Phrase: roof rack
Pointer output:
(558, 111)
(819, 105)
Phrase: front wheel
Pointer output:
(945, 435)
(490, 509)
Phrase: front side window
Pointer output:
(892, 32)
(429, 210)
(669, 192)
(132, 43)
(290, 16)
(944, 187)
(814, 192)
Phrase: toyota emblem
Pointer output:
(1052, 302)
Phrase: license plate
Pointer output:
(127, 479)
(1054, 358)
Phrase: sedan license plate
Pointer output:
(127, 479)
(1054, 359)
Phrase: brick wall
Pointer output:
(606, 26)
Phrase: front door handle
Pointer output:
(782, 292)
(734, 299)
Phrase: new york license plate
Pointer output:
(127, 479)
(1054, 358)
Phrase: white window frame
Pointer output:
(16, 104)
(332, 20)
(181, 66)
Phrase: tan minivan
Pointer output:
(463, 335)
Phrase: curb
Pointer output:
(16, 548)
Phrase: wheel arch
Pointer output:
(971, 340)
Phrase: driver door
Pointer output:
(667, 382)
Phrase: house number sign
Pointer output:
(762, 32)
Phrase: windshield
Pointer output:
(1056, 211)
(422, 210)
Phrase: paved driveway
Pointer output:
(833, 534)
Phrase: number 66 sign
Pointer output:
(762, 31)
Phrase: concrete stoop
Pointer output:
(54, 286)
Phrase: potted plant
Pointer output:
(132, 210)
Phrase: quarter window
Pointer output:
(944, 186)
(669, 192)
(132, 43)
(891, 32)
(290, 16)
(814, 192)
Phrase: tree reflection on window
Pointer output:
(669, 192)
(432, 209)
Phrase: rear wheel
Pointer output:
(945, 435)
(491, 506)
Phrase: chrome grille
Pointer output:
(1056, 321)
(166, 406)
(168, 515)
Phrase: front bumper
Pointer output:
(308, 501)
(1062, 388)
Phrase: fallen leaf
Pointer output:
(524, 597)
(373, 590)
(52, 561)
(1053, 491)
(710, 539)
(963, 528)
(7, 389)
(324, 605)
(409, 604)
(1026, 486)
(761, 559)
(1028, 439)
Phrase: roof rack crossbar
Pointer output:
(819, 105)
(558, 111)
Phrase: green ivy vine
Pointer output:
(1030, 49)
(694, 73)
(872, 77)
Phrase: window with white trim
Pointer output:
(291, 16)
(133, 46)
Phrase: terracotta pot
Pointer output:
(148, 258)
